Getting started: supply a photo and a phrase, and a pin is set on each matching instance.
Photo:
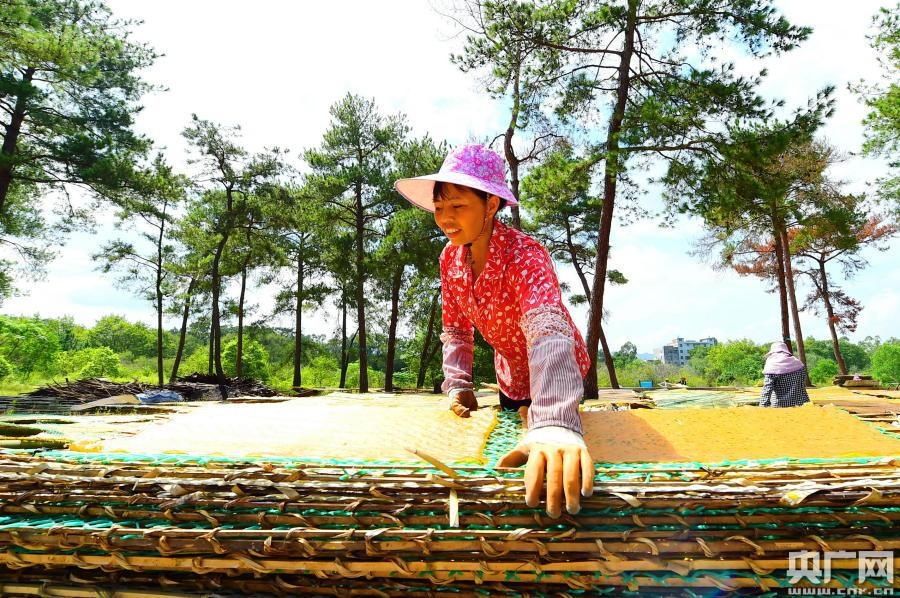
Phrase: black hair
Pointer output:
(439, 189)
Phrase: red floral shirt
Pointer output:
(517, 307)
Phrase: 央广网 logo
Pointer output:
(873, 566)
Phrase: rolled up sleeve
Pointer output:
(556, 384)
(458, 338)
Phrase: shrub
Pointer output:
(103, 363)
(323, 371)
(254, 361)
(198, 361)
(405, 379)
(376, 378)
(95, 362)
(122, 336)
(735, 362)
(823, 371)
(886, 362)
(6, 369)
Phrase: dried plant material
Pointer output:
(320, 428)
(710, 435)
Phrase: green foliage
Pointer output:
(323, 371)
(95, 362)
(405, 379)
(855, 355)
(735, 362)
(70, 88)
(35, 343)
(422, 305)
(563, 213)
(123, 336)
(886, 362)
(71, 335)
(631, 373)
(698, 359)
(350, 173)
(625, 355)
(29, 344)
(254, 363)
(196, 361)
(824, 371)
(239, 199)
(883, 120)
(376, 378)
(483, 362)
(6, 368)
(144, 256)
(102, 363)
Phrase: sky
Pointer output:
(274, 67)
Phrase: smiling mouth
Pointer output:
(452, 231)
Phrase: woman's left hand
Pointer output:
(567, 468)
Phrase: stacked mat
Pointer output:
(105, 523)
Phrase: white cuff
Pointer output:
(556, 435)
(455, 391)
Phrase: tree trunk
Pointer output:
(360, 290)
(424, 358)
(608, 360)
(392, 329)
(298, 322)
(345, 357)
(216, 315)
(159, 328)
(239, 349)
(183, 332)
(792, 298)
(510, 154)
(607, 356)
(829, 312)
(782, 293)
(610, 176)
(212, 347)
(11, 137)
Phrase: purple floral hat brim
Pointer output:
(420, 190)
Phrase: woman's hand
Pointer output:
(463, 402)
(565, 464)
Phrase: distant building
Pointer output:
(679, 350)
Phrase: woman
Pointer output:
(502, 281)
(785, 379)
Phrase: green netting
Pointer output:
(503, 438)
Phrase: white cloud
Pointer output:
(277, 68)
(72, 287)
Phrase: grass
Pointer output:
(10, 389)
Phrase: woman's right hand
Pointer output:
(462, 403)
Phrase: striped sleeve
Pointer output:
(556, 383)
(458, 338)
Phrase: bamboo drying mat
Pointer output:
(333, 427)
(32, 431)
(887, 394)
(690, 398)
(243, 527)
(713, 435)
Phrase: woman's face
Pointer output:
(461, 214)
